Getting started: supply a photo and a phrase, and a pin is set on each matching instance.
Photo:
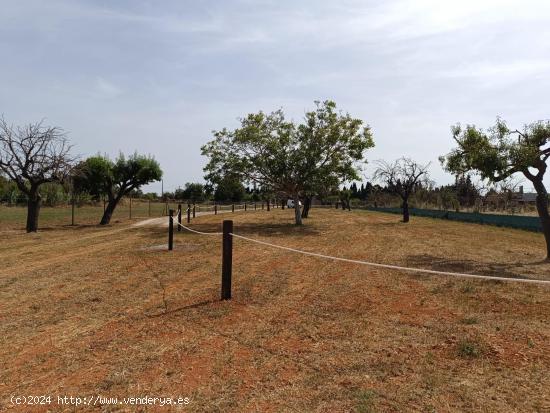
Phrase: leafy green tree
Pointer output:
(8, 190)
(345, 198)
(193, 192)
(152, 196)
(53, 194)
(229, 188)
(282, 157)
(99, 176)
(447, 199)
(500, 152)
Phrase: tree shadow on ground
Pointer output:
(64, 227)
(180, 309)
(432, 262)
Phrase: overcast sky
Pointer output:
(157, 77)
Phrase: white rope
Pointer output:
(394, 267)
(199, 232)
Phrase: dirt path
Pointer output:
(163, 221)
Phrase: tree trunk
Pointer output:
(405, 211)
(297, 212)
(307, 205)
(542, 209)
(33, 210)
(111, 205)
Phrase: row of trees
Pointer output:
(35, 155)
(463, 192)
(278, 157)
(317, 156)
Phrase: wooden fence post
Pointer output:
(254, 206)
(215, 209)
(170, 230)
(179, 217)
(268, 205)
(188, 213)
(194, 210)
(232, 207)
(227, 259)
(245, 206)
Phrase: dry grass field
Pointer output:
(14, 217)
(108, 311)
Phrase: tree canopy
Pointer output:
(500, 152)
(193, 192)
(229, 188)
(98, 175)
(282, 157)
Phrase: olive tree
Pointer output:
(402, 177)
(98, 176)
(282, 157)
(31, 156)
(500, 152)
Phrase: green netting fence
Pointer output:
(510, 221)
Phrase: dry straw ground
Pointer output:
(89, 310)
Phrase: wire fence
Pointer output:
(14, 215)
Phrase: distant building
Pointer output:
(509, 199)
(524, 198)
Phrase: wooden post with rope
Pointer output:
(170, 230)
(227, 259)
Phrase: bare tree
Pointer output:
(31, 156)
(402, 177)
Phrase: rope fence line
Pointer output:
(199, 232)
(374, 264)
(393, 267)
(227, 253)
